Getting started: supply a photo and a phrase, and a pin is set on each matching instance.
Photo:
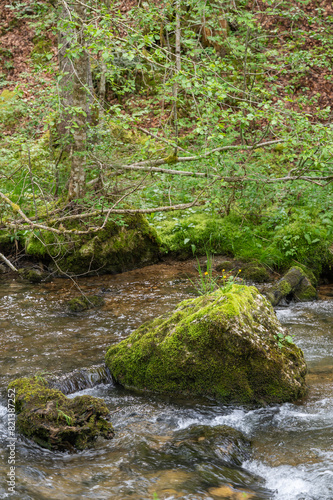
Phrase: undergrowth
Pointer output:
(276, 240)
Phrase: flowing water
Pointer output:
(292, 455)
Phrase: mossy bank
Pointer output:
(225, 345)
(274, 239)
(121, 245)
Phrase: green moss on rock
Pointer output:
(84, 303)
(226, 345)
(294, 285)
(34, 275)
(251, 271)
(116, 248)
(56, 422)
(305, 291)
(225, 265)
(256, 273)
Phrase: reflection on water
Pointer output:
(292, 457)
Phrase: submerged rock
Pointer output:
(85, 302)
(227, 345)
(34, 275)
(80, 379)
(220, 445)
(56, 422)
(202, 442)
(294, 285)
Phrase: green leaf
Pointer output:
(308, 238)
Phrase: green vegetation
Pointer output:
(227, 344)
(220, 111)
(276, 240)
(208, 281)
(84, 303)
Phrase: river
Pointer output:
(292, 455)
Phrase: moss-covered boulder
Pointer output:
(56, 422)
(226, 345)
(294, 285)
(83, 303)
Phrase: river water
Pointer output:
(292, 456)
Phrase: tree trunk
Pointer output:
(75, 94)
(81, 69)
(66, 39)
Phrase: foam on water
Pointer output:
(3, 422)
(294, 483)
(240, 419)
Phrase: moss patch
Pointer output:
(256, 273)
(226, 345)
(56, 422)
(82, 303)
(294, 285)
(267, 240)
(34, 275)
(118, 247)
(6, 243)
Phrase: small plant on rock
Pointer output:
(229, 279)
(207, 283)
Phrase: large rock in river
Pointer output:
(228, 345)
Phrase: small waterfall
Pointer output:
(80, 379)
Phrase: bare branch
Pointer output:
(9, 264)
(180, 159)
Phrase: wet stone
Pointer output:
(56, 422)
(84, 303)
(34, 275)
(220, 443)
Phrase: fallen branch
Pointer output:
(129, 211)
(9, 264)
(33, 225)
(181, 159)
(263, 180)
